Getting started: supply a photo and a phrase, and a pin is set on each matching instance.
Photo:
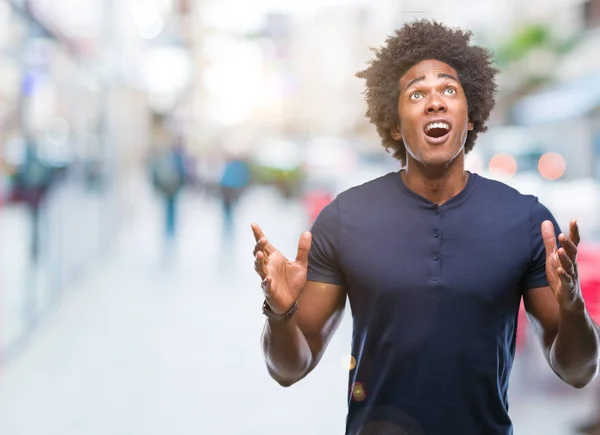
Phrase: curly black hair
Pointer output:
(423, 40)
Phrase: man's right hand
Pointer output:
(282, 280)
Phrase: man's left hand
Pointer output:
(561, 266)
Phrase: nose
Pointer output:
(435, 105)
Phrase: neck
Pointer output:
(435, 183)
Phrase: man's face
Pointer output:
(433, 114)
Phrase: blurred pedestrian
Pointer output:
(434, 260)
(169, 177)
(32, 182)
(235, 179)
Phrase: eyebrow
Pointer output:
(421, 78)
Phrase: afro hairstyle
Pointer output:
(428, 40)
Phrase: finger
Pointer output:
(549, 237)
(260, 246)
(554, 260)
(260, 265)
(565, 262)
(568, 245)
(304, 248)
(564, 276)
(258, 233)
(574, 232)
(269, 248)
(266, 246)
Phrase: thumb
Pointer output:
(304, 248)
(549, 237)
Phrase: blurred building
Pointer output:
(79, 82)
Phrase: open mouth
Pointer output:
(437, 129)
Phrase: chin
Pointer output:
(440, 157)
(439, 160)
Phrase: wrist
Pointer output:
(276, 316)
(574, 309)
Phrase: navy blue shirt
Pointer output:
(434, 293)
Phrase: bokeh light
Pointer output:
(503, 164)
(348, 362)
(358, 392)
(552, 166)
(57, 130)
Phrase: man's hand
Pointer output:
(282, 280)
(561, 266)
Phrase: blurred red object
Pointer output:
(588, 261)
(315, 201)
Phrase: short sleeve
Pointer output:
(536, 273)
(322, 258)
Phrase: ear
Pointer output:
(395, 132)
(471, 126)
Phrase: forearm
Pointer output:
(575, 351)
(287, 353)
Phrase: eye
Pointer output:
(415, 96)
(450, 91)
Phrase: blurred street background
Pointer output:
(140, 138)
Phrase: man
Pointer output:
(433, 259)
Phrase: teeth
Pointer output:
(437, 125)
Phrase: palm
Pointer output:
(290, 277)
(283, 280)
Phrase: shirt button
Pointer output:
(436, 234)
(437, 211)
(436, 257)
